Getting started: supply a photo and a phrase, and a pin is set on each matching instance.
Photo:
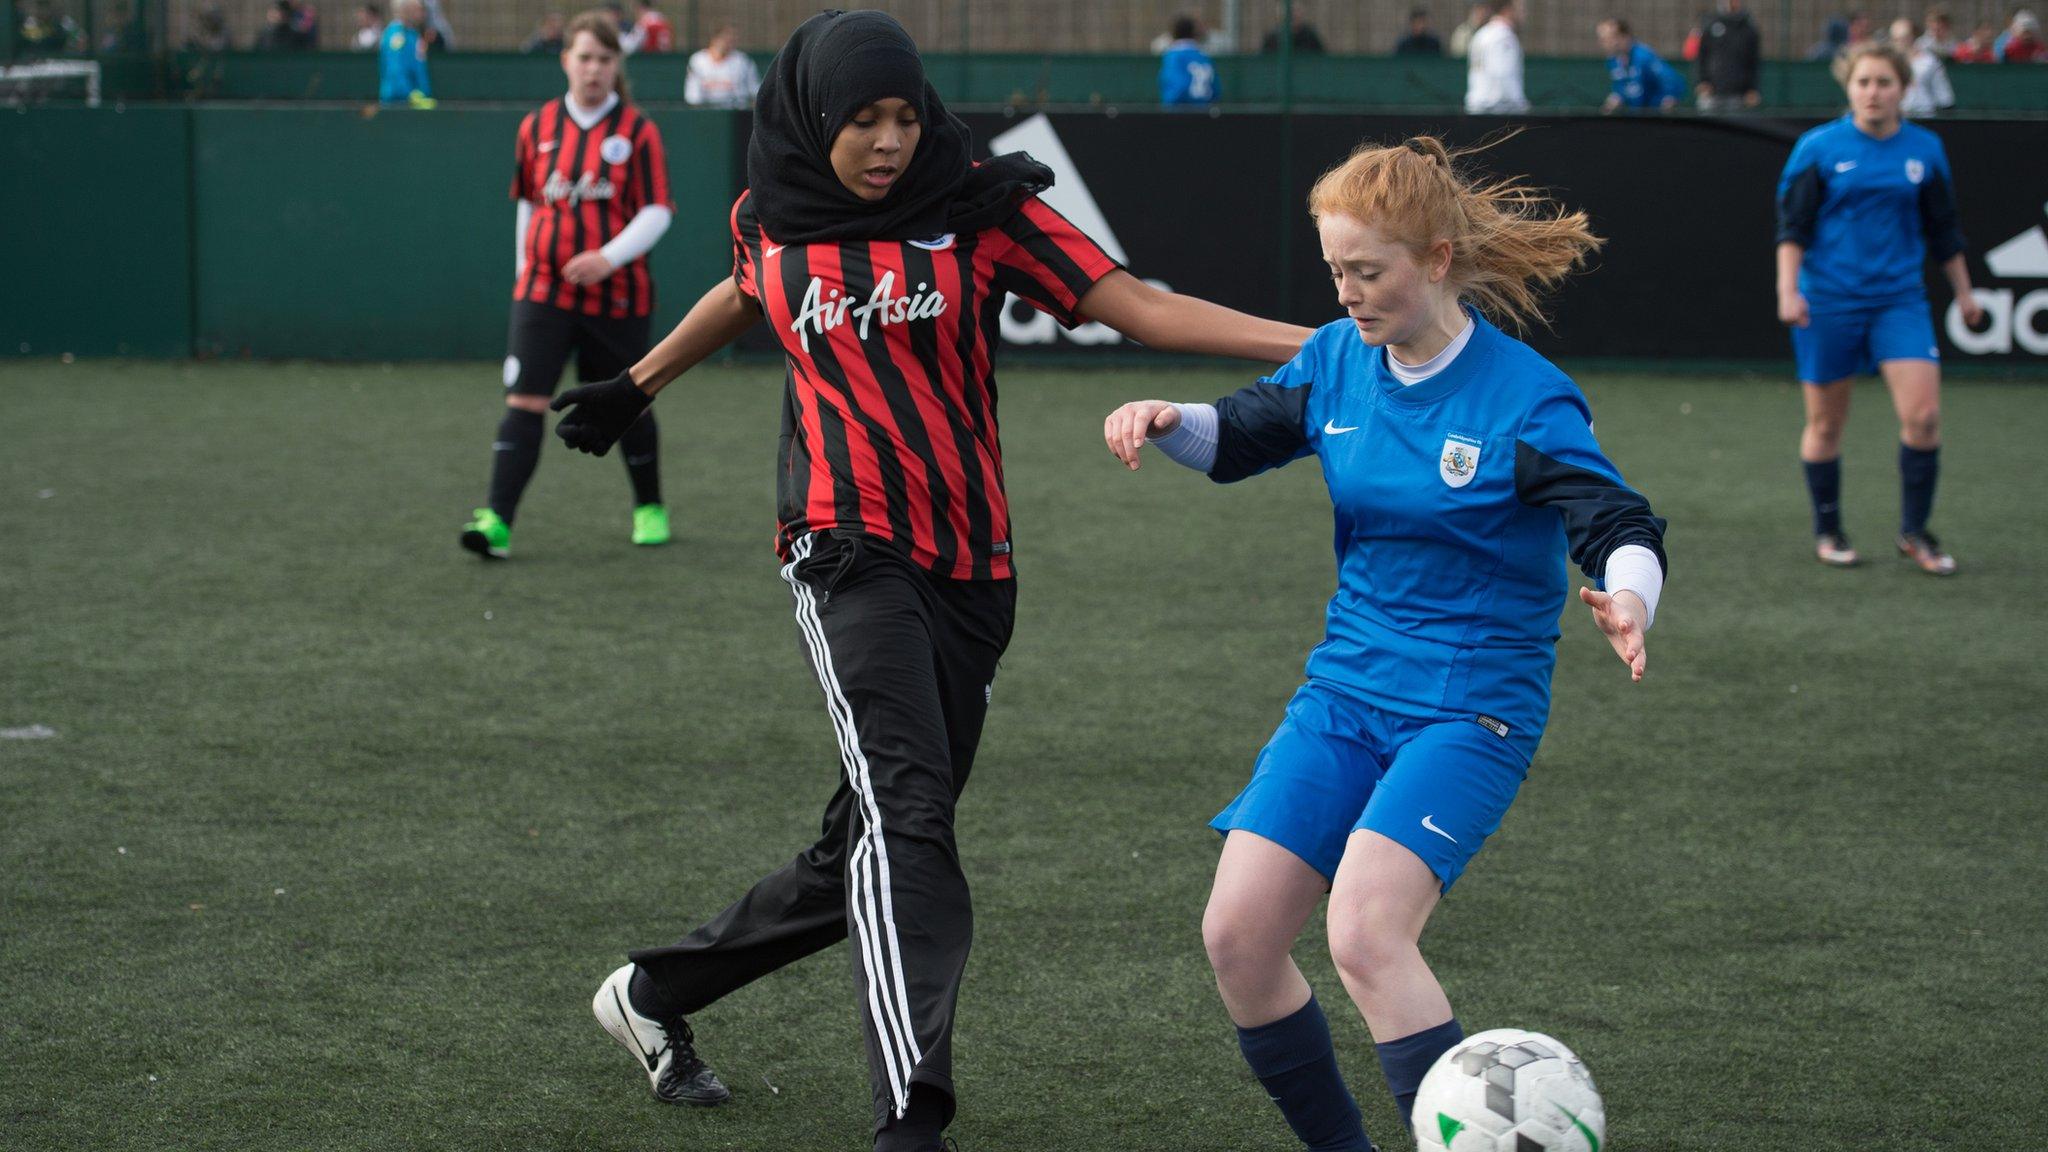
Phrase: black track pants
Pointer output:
(907, 662)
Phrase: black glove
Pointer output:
(603, 413)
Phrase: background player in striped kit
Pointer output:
(1463, 472)
(591, 180)
(1862, 201)
(880, 257)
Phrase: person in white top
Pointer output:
(721, 76)
(1930, 91)
(1493, 78)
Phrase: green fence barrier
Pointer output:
(164, 231)
(1017, 79)
(97, 248)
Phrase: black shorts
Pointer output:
(543, 335)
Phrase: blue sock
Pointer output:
(1294, 1059)
(1824, 484)
(1918, 471)
(1407, 1060)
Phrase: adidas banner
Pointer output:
(1216, 207)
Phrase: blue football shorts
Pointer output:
(1836, 345)
(1336, 764)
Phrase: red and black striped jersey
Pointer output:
(585, 187)
(889, 414)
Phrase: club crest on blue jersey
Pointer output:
(1460, 460)
(1915, 171)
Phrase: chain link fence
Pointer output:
(1791, 29)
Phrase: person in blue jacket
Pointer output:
(402, 58)
(1862, 204)
(1641, 79)
(1186, 74)
(1463, 474)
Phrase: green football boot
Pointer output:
(488, 535)
(650, 525)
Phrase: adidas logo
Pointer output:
(1069, 196)
(2016, 321)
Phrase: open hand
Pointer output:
(1127, 428)
(587, 268)
(1621, 616)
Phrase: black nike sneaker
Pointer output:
(665, 1048)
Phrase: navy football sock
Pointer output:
(514, 456)
(1294, 1059)
(1918, 470)
(641, 446)
(649, 996)
(1824, 484)
(1407, 1060)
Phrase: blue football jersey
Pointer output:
(1868, 212)
(1458, 501)
(402, 64)
(1187, 75)
(1642, 79)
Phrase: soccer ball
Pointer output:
(1507, 1090)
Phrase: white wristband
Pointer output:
(1192, 442)
(1634, 568)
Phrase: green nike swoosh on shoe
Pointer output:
(650, 525)
(488, 535)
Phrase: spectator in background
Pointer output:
(1940, 37)
(1307, 41)
(402, 57)
(124, 33)
(720, 75)
(1861, 31)
(1419, 41)
(1929, 92)
(1641, 77)
(369, 28)
(1834, 39)
(289, 27)
(439, 34)
(1730, 47)
(1461, 36)
(2021, 43)
(1493, 75)
(651, 32)
(1980, 48)
(210, 31)
(546, 39)
(1187, 77)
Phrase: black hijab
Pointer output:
(835, 64)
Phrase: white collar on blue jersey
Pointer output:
(1410, 375)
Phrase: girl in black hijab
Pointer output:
(881, 256)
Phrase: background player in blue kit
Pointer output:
(1463, 472)
(1187, 76)
(402, 59)
(1862, 202)
(1641, 78)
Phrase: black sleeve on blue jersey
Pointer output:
(1799, 206)
(1938, 217)
(1258, 427)
(1600, 514)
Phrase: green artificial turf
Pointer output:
(340, 828)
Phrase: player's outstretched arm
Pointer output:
(598, 414)
(1126, 429)
(1171, 322)
(1622, 616)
